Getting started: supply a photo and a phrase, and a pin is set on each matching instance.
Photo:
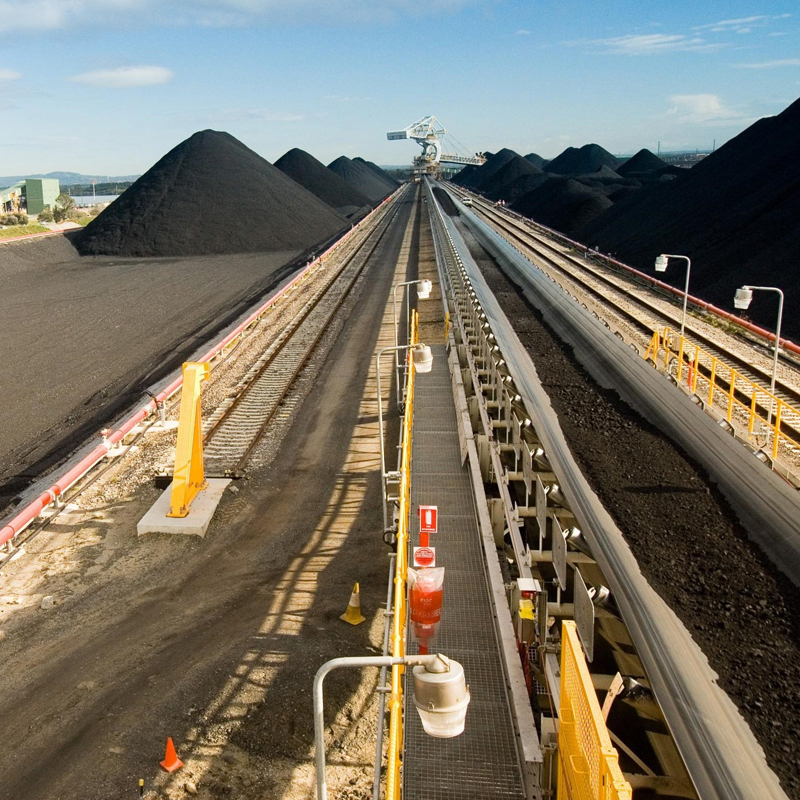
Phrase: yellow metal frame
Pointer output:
(673, 354)
(588, 767)
(189, 476)
(393, 778)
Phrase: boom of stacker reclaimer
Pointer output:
(428, 133)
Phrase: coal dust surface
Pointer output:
(361, 177)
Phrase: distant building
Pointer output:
(32, 195)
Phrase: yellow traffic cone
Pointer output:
(353, 613)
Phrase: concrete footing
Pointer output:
(198, 519)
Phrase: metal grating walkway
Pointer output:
(483, 761)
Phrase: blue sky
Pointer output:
(108, 86)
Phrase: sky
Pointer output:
(109, 86)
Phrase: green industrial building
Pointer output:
(32, 195)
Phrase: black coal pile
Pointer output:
(465, 174)
(361, 177)
(735, 214)
(321, 181)
(390, 181)
(536, 160)
(642, 163)
(521, 186)
(580, 161)
(210, 195)
(603, 175)
(493, 163)
(563, 204)
(495, 186)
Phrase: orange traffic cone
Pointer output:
(353, 613)
(171, 761)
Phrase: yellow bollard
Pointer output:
(189, 476)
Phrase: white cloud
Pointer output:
(701, 109)
(18, 15)
(9, 75)
(125, 77)
(650, 44)
(523, 32)
(741, 25)
(258, 115)
(781, 62)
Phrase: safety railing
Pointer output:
(393, 777)
(724, 388)
(588, 767)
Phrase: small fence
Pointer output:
(393, 777)
(724, 388)
(588, 767)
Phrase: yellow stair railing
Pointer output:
(588, 767)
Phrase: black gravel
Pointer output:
(742, 611)
(734, 214)
(361, 177)
(578, 161)
(536, 160)
(321, 181)
(210, 195)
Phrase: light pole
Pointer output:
(423, 292)
(423, 361)
(661, 266)
(440, 695)
(742, 300)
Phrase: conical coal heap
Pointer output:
(210, 195)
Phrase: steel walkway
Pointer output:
(483, 761)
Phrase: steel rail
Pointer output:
(295, 350)
(749, 327)
(721, 754)
(529, 238)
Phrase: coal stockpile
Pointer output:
(493, 163)
(210, 195)
(390, 181)
(579, 161)
(563, 204)
(464, 174)
(495, 186)
(643, 162)
(321, 181)
(521, 186)
(361, 178)
(741, 610)
(536, 160)
(734, 214)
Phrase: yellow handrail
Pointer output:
(723, 387)
(588, 767)
(393, 782)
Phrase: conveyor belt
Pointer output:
(482, 762)
(720, 752)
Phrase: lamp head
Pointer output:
(743, 297)
(422, 357)
(424, 289)
(441, 696)
(661, 263)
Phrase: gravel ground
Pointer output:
(740, 609)
(112, 327)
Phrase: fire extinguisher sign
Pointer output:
(428, 519)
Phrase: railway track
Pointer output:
(234, 429)
(614, 293)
